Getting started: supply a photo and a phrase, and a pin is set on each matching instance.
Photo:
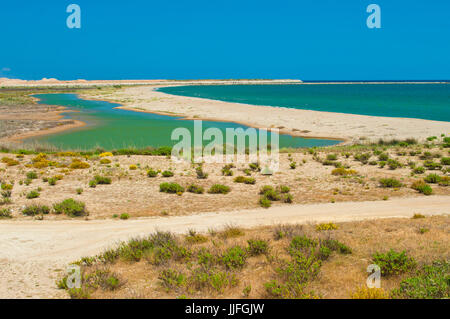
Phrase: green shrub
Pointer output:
(383, 157)
(219, 189)
(422, 187)
(79, 191)
(254, 167)
(430, 165)
(257, 247)
(431, 282)
(245, 180)
(124, 216)
(5, 213)
(445, 160)
(419, 170)
(200, 173)
(288, 198)
(301, 242)
(393, 164)
(390, 183)
(293, 165)
(264, 202)
(335, 245)
(195, 189)
(36, 209)
(32, 175)
(393, 263)
(70, 207)
(171, 278)
(234, 257)
(101, 180)
(284, 189)
(172, 188)
(432, 178)
(33, 194)
(152, 173)
(167, 174)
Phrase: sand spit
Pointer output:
(310, 124)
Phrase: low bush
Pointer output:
(71, 208)
(234, 257)
(167, 174)
(419, 170)
(172, 188)
(171, 278)
(341, 171)
(422, 187)
(432, 178)
(124, 216)
(36, 209)
(393, 263)
(33, 194)
(257, 247)
(152, 173)
(264, 202)
(195, 189)
(200, 173)
(326, 226)
(5, 213)
(390, 183)
(78, 164)
(32, 175)
(219, 189)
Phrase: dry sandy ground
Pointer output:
(132, 192)
(34, 253)
(349, 127)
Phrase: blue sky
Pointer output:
(300, 39)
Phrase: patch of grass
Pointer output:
(124, 216)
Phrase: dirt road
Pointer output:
(33, 254)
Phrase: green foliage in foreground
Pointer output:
(431, 282)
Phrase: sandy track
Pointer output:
(33, 253)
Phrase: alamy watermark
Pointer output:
(74, 19)
(374, 19)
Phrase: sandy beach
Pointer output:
(311, 124)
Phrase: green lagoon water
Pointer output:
(425, 101)
(112, 128)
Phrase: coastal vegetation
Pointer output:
(292, 261)
(46, 176)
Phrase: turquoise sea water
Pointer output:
(424, 101)
(112, 128)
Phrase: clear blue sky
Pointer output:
(302, 39)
